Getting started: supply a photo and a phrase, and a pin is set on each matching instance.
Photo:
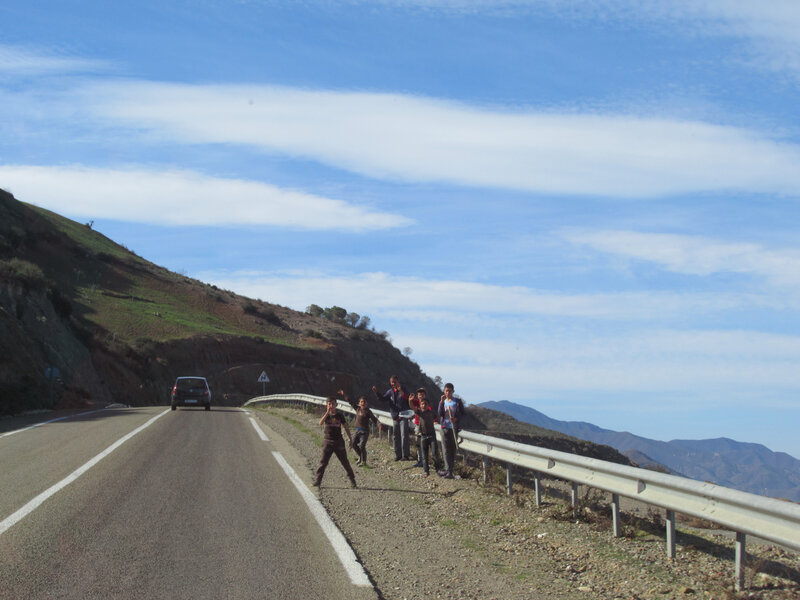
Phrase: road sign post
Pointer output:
(264, 381)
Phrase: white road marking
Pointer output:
(260, 433)
(346, 555)
(38, 500)
(51, 421)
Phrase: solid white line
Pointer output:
(346, 555)
(260, 433)
(38, 500)
(51, 421)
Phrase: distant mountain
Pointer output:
(744, 466)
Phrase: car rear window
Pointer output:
(190, 384)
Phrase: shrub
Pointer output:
(24, 272)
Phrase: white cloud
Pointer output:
(697, 363)
(448, 301)
(695, 255)
(23, 61)
(184, 198)
(421, 139)
(630, 348)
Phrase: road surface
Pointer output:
(152, 503)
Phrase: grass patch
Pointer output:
(88, 238)
(315, 436)
(501, 567)
(471, 544)
(450, 523)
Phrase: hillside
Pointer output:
(119, 328)
(739, 465)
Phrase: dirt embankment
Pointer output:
(427, 538)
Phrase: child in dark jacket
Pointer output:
(334, 422)
(451, 408)
(427, 419)
(364, 416)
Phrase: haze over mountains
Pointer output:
(740, 465)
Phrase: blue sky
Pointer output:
(587, 207)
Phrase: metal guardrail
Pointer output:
(774, 520)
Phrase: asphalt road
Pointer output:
(194, 505)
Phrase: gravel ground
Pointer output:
(423, 537)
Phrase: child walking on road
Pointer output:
(333, 421)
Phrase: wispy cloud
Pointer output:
(771, 30)
(430, 300)
(412, 138)
(25, 61)
(695, 255)
(692, 362)
(184, 198)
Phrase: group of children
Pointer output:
(448, 415)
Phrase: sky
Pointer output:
(586, 207)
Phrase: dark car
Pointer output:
(191, 391)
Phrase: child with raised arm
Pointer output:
(334, 421)
(363, 418)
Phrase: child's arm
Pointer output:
(347, 430)
(347, 399)
(322, 420)
(375, 420)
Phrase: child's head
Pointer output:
(394, 381)
(448, 387)
(422, 396)
(330, 402)
(362, 402)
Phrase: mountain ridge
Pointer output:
(745, 466)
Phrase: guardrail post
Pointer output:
(741, 552)
(485, 469)
(670, 534)
(574, 498)
(509, 480)
(537, 487)
(616, 524)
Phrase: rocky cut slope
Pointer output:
(119, 328)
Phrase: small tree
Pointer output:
(336, 314)
(407, 351)
(364, 322)
(314, 310)
(352, 318)
(438, 381)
